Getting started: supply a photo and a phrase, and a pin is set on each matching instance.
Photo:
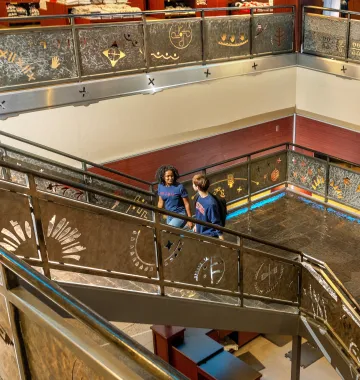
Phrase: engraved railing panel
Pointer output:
(82, 238)
(344, 186)
(43, 348)
(227, 37)
(30, 57)
(268, 171)
(307, 172)
(321, 300)
(16, 225)
(174, 42)
(59, 188)
(111, 49)
(8, 363)
(268, 277)
(354, 40)
(272, 33)
(325, 35)
(192, 261)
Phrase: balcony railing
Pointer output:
(76, 52)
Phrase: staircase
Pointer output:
(105, 243)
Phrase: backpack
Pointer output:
(221, 202)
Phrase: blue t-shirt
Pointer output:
(173, 197)
(207, 210)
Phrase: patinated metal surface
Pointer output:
(321, 301)
(16, 226)
(8, 363)
(112, 49)
(83, 238)
(196, 262)
(31, 57)
(227, 37)
(49, 358)
(344, 185)
(174, 42)
(116, 205)
(269, 278)
(325, 35)
(307, 172)
(272, 32)
(354, 45)
(268, 171)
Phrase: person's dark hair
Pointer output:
(201, 181)
(160, 173)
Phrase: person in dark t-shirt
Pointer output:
(207, 208)
(173, 195)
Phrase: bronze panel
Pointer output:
(269, 278)
(9, 369)
(17, 231)
(268, 171)
(80, 237)
(49, 358)
(321, 301)
(196, 262)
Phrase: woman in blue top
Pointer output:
(173, 195)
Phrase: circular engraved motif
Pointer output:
(275, 174)
(210, 271)
(180, 35)
(268, 277)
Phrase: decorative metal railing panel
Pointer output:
(31, 57)
(16, 225)
(269, 171)
(91, 240)
(354, 40)
(227, 37)
(272, 33)
(112, 49)
(9, 368)
(174, 42)
(323, 301)
(269, 277)
(307, 172)
(325, 35)
(344, 186)
(192, 261)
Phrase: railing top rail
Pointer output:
(76, 170)
(315, 7)
(145, 13)
(144, 206)
(83, 313)
(72, 157)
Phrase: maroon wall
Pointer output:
(206, 151)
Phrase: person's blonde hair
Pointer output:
(201, 181)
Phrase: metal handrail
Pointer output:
(80, 311)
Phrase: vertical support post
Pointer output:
(76, 47)
(295, 357)
(251, 32)
(287, 167)
(295, 25)
(5, 172)
(38, 225)
(249, 178)
(20, 352)
(146, 38)
(347, 37)
(302, 29)
(203, 37)
(86, 182)
(327, 179)
(159, 256)
(240, 242)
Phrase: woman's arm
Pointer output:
(160, 203)
(188, 211)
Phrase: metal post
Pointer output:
(249, 178)
(302, 30)
(251, 32)
(39, 227)
(76, 47)
(287, 167)
(327, 179)
(347, 37)
(159, 258)
(295, 357)
(146, 38)
(86, 180)
(203, 37)
(240, 241)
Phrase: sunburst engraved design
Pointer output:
(66, 236)
(11, 241)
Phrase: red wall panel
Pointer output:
(323, 137)
(206, 151)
